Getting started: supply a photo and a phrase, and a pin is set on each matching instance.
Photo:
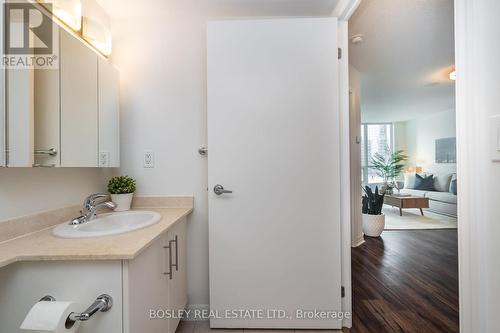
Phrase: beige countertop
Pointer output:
(42, 245)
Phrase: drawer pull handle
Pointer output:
(170, 264)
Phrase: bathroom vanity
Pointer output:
(142, 270)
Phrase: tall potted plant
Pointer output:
(122, 190)
(373, 219)
(388, 166)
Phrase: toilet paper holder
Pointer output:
(102, 303)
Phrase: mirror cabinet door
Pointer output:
(109, 115)
(19, 109)
(63, 117)
(47, 117)
(3, 143)
(20, 117)
(79, 117)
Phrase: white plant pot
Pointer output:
(373, 225)
(122, 201)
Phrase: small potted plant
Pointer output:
(122, 190)
(373, 219)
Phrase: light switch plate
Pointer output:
(149, 159)
(495, 138)
(103, 159)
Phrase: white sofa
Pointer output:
(441, 199)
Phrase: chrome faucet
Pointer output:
(90, 207)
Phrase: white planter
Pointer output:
(373, 225)
(122, 201)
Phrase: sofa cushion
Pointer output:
(442, 182)
(446, 197)
(425, 183)
(417, 193)
(409, 180)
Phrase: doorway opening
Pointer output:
(403, 124)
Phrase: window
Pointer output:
(374, 138)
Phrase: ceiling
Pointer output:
(221, 8)
(405, 59)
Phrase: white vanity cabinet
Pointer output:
(177, 286)
(137, 286)
(157, 281)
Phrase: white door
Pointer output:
(273, 137)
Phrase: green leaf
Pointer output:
(388, 165)
(121, 185)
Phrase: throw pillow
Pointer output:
(442, 182)
(453, 184)
(409, 181)
(425, 183)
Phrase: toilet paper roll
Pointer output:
(50, 317)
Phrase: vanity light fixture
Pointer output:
(98, 35)
(68, 11)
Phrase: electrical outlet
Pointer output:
(149, 159)
(104, 159)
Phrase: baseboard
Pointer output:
(359, 241)
(191, 308)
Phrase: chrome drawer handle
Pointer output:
(170, 264)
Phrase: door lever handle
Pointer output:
(219, 189)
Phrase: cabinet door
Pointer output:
(2, 98)
(20, 118)
(177, 286)
(145, 289)
(109, 115)
(47, 117)
(79, 123)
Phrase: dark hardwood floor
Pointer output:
(406, 281)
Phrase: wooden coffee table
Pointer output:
(410, 201)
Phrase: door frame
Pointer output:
(343, 11)
(464, 35)
(465, 92)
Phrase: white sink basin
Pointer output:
(108, 224)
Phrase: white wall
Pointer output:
(29, 190)
(418, 138)
(399, 129)
(477, 26)
(162, 57)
